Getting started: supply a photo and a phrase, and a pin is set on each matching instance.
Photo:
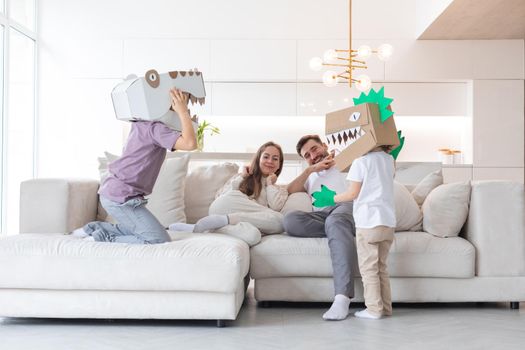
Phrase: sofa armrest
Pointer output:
(495, 227)
(57, 205)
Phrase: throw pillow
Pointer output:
(201, 185)
(166, 201)
(103, 169)
(300, 201)
(408, 214)
(446, 209)
(425, 186)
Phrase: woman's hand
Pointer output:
(246, 171)
(271, 179)
(179, 101)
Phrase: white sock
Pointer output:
(365, 314)
(89, 239)
(80, 233)
(339, 309)
(211, 222)
(181, 227)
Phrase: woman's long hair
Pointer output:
(251, 185)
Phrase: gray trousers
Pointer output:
(337, 224)
(136, 224)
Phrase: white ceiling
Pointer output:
(479, 19)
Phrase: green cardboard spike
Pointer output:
(395, 151)
(379, 98)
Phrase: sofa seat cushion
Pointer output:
(413, 254)
(191, 262)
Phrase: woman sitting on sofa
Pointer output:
(251, 196)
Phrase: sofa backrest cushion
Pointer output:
(201, 185)
(426, 185)
(408, 214)
(445, 209)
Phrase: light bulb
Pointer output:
(330, 78)
(364, 83)
(316, 63)
(385, 51)
(330, 55)
(364, 51)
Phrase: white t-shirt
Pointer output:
(374, 206)
(331, 178)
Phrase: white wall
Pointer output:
(254, 56)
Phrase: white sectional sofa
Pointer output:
(486, 263)
(203, 276)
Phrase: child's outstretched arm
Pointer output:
(179, 101)
(350, 194)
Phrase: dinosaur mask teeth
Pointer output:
(338, 141)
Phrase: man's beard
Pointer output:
(321, 157)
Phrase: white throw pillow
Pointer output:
(425, 186)
(408, 214)
(201, 185)
(166, 201)
(446, 209)
(300, 201)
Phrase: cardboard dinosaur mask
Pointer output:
(353, 132)
(148, 98)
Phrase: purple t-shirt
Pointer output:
(135, 172)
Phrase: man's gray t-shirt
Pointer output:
(135, 172)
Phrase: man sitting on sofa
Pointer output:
(335, 222)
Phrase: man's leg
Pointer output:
(305, 224)
(340, 229)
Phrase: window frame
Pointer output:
(9, 25)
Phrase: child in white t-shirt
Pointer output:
(372, 189)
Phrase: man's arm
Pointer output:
(297, 185)
(187, 141)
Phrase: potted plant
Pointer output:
(205, 126)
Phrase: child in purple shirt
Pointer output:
(132, 177)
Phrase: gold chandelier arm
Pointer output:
(335, 65)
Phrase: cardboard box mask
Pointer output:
(147, 98)
(354, 131)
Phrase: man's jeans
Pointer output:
(136, 224)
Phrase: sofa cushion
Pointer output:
(426, 185)
(191, 262)
(446, 209)
(408, 214)
(166, 201)
(413, 254)
(201, 185)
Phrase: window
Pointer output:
(18, 55)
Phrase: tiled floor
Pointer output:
(285, 326)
